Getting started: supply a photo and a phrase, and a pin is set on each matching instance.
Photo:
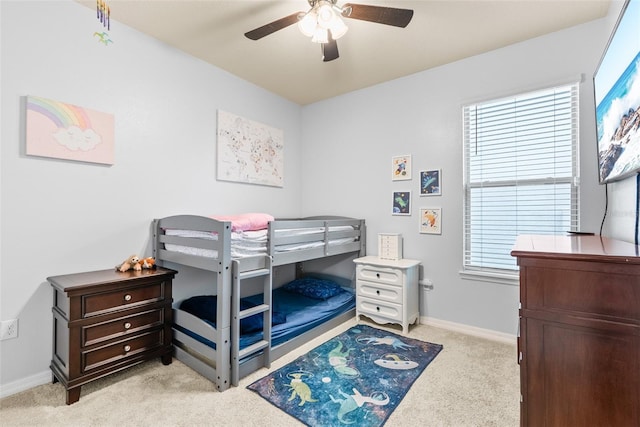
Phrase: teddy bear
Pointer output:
(147, 263)
(131, 263)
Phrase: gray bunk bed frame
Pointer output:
(225, 364)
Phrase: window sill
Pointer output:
(493, 277)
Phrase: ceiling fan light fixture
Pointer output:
(323, 22)
(326, 15)
(338, 28)
(308, 23)
(320, 36)
(323, 17)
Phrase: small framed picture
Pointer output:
(431, 182)
(401, 203)
(431, 220)
(401, 168)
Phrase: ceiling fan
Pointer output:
(323, 22)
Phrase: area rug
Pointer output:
(358, 377)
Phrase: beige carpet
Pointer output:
(472, 382)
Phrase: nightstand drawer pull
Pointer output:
(379, 291)
(106, 331)
(380, 309)
(387, 275)
(101, 357)
(98, 303)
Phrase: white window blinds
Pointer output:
(521, 173)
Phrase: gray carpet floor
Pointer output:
(472, 382)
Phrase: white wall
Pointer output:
(62, 217)
(349, 142)
(621, 215)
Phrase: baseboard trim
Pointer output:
(45, 376)
(23, 384)
(469, 330)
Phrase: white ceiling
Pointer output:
(289, 64)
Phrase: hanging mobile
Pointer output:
(103, 13)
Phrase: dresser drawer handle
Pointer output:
(127, 325)
(127, 297)
(378, 275)
(378, 292)
(127, 348)
(378, 308)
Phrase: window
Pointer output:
(521, 174)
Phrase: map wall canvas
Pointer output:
(249, 151)
(65, 131)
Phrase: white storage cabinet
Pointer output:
(387, 290)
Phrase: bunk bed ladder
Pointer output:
(263, 270)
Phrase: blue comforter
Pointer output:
(302, 314)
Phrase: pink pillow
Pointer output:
(246, 222)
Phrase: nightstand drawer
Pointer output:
(100, 303)
(388, 310)
(390, 276)
(102, 356)
(100, 332)
(380, 292)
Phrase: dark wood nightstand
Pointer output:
(105, 321)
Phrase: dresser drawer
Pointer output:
(100, 332)
(94, 359)
(584, 292)
(390, 276)
(100, 303)
(384, 309)
(380, 292)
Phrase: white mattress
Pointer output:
(310, 245)
(243, 243)
(251, 243)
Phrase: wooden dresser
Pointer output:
(579, 344)
(105, 321)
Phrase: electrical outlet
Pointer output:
(8, 329)
(426, 284)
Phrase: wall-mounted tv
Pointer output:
(616, 85)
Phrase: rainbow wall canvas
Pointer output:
(64, 131)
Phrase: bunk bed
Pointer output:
(217, 345)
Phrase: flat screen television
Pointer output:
(616, 85)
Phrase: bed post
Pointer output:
(223, 330)
(299, 270)
(156, 242)
(363, 238)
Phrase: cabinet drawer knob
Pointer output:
(127, 325)
(127, 297)
(127, 348)
(378, 275)
(378, 292)
(378, 308)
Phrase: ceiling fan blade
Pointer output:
(378, 14)
(330, 50)
(272, 27)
